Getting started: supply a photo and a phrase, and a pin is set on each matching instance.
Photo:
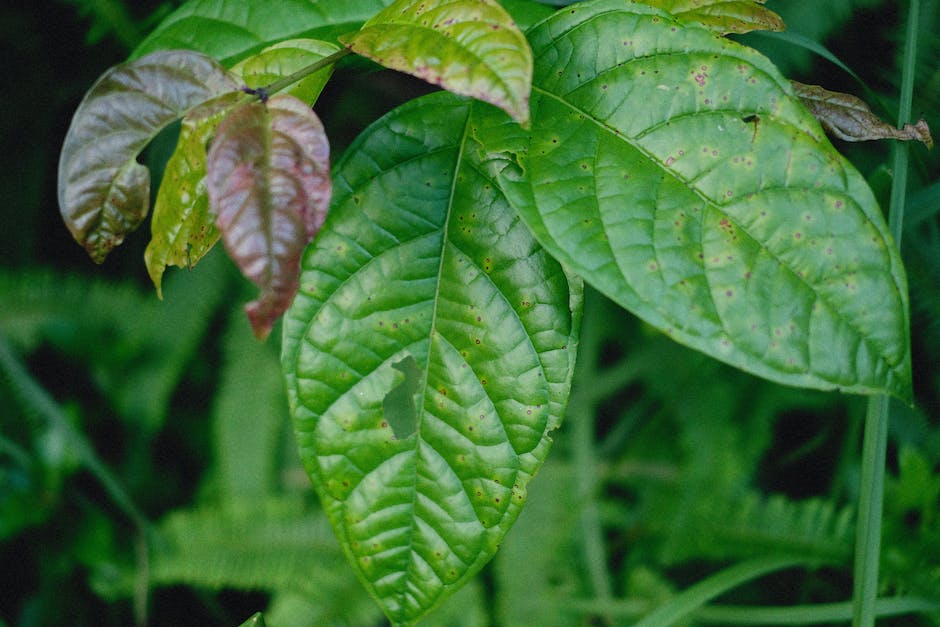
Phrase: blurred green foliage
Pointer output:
(145, 446)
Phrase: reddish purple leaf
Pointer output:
(268, 178)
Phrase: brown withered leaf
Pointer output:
(268, 179)
(848, 117)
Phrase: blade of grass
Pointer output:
(693, 598)
(875, 446)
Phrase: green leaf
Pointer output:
(285, 58)
(676, 171)
(469, 47)
(268, 180)
(104, 194)
(423, 261)
(525, 13)
(183, 229)
(723, 16)
(231, 31)
(257, 620)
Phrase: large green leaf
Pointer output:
(428, 355)
(104, 193)
(469, 47)
(231, 31)
(676, 171)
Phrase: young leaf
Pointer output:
(723, 16)
(849, 118)
(268, 181)
(104, 193)
(285, 58)
(231, 31)
(423, 266)
(469, 47)
(183, 229)
(677, 173)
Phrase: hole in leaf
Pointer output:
(399, 404)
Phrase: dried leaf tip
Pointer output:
(848, 117)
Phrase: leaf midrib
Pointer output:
(895, 368)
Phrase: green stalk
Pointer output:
(874, 449)
(693, 599)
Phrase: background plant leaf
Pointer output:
(469, 47)
(231, 31)
(283, 59)
(269, 185)
(695, 190)
(850, 119)
(104, 193)
(183, 229)
(423, 262)
(723, 16)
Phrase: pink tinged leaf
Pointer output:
(268, 178)
(847, 117)
(468, 47)
(103, 192)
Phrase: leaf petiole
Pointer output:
(263, 93)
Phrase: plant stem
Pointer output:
(874, 449)
(581, 414)
(287, 81)
(33, 397)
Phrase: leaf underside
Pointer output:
(267, 178)
(424, 273)
(675, 171)
(469, 47)
(104, 194)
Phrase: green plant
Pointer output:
(433, 323)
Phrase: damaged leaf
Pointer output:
(269, 185)
(103, 192)
(469, 47)
(427, 291)
(723, 16)
(183, 229)
(848, 117)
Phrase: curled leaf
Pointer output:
(723, 16)
(285, 58)
(847, 117)
(183, 229)
(469, 47)
(103, 192)
(269, 184)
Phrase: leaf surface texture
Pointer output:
(423, 266)
(676, 171)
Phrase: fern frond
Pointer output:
(249, 414)
(753, 525)
(276, 544)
